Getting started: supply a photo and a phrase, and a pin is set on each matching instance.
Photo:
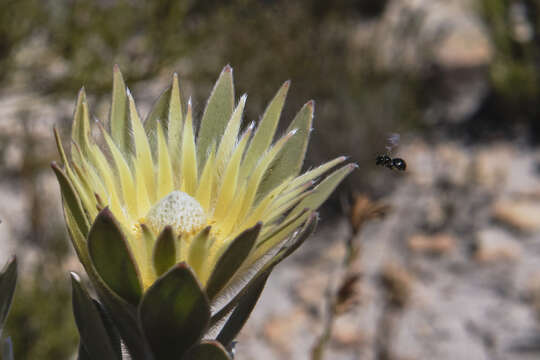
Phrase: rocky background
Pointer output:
(451, 272)
(447, 254)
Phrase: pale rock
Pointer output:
(491, 166)
(454, 163)
(435, 214)
(279, 330)
(346, 333)
(421, 163)
(13, 156)
(523, 215)
(417, 33)
(494, 245)
(432, 244)
(524, 181)
(444, 39)
(312, 289)
(467, 45)
(532, 291)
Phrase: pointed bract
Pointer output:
(71, 200)
(174, 313)
(207, 350)
(241, 313)
(93, 332)
(217, 112)
(231, 260)
(289, 161)
(266, 129)
(164, 254)
(159, 113)
(112, 257)
(175, 124)
(8, 281)
(119, 115)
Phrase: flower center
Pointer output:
(178, 210)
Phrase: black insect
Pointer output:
(386, 160)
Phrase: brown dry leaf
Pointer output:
(398, 282)
(364, 209)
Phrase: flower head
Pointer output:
(176, 195)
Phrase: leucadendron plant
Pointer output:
(177, 229)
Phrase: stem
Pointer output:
(331, 299)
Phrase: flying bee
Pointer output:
(387, 160)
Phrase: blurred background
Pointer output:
(441, 261)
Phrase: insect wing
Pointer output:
(392, 141)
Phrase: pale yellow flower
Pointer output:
(208, 188)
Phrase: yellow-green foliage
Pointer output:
(40, 322)
(514, 72)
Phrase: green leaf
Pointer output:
(323, 190)
(94, 335)
(164, 254)
(110, 326)
(218, 110)
(83, 354)
(307, 230)
(175, 125)
(80, 130)
(174, 313)
(266, 269)
(158, 114)
(119, 115)
(123, 314)
(242, 311)
(266, 129)
(112, 258)
(8, 282)
(291, 157)
(71, 200)
(231, 260)
(207, 350)
(198, 250)
(6, 349)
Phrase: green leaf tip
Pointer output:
(266, 128)
(259, 279)
(8, 282)
(198, 250)
(119, 121)
(112, 258)
(174, 313)
(242, 311)
(207, 350)
(291, 157)
(218, 110)
(164, 254)
(71, 200)
(93, 332)
(231, 260)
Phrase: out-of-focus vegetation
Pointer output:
(64, 45)
(514, 27)
(515, 30)
(41, 322)
(52, 48)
